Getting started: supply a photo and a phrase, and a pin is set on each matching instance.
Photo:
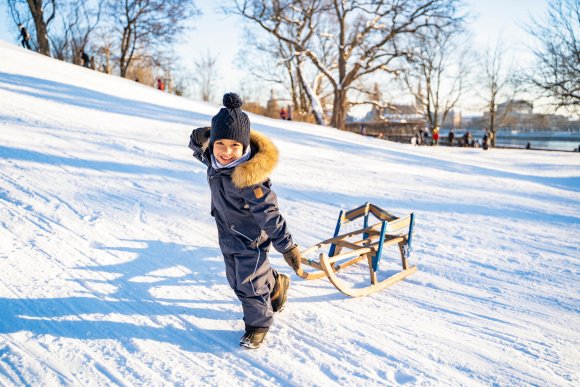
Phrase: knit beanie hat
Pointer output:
(231, 122)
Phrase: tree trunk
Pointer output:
(339, 109)
(37, 13)
(492, 122)
(492, 128)
(125, 46)
(317, 110)
(315, 103)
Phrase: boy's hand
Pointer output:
(200, 135)
(293, 258)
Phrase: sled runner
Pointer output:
(365, 244)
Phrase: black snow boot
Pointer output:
(279, 294)
(252, 339)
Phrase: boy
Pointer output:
(246, 213)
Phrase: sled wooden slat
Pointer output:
(367, 230)
(398, 224)
(356, 213)
(349, 254)
(381, 214)
(393, 241)
(348, 244)
(349, 263)
(345, 252)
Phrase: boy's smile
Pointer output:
(227, 151)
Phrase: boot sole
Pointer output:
(249, 346)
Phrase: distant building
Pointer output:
(394, 113)
(398, 122)
(511, 111)
(519, 115)
(515, 107)
(272, 107)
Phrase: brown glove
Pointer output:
(293, 258)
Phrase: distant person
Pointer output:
(451, 137)
(160, 84)
(468, 139)
(283, 113)
(528, 145)
(363, 129)
(436, 136)
(419, 137)
(425, 136)
(85, 58)
(245, 209)
(25, 37)
(485, 140)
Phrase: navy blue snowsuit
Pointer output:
(248, 220)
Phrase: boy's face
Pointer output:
(226, 151)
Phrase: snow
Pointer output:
(111, 271)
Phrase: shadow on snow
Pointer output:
(92, 317)
(91, 99)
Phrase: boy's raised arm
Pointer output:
(198, 143)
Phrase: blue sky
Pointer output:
(223, 35)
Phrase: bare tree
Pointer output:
(557, 69)
(294, 19)
(437, 74)
(363, 36)
(78, 21)
(500, 82)
(42, 13)
(205, 74)
(147, 27)
(104, 47)
(287, 72)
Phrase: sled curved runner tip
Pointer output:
(365, 244)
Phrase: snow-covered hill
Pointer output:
(110, 271)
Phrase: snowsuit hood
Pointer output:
(259, 167)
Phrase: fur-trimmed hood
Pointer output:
(258, 168)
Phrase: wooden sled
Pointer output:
(366, 245)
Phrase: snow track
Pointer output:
(112, 275)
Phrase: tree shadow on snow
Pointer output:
(419, 206)
(131, 310)
(38, 157)
(95, 100)
(320, 142)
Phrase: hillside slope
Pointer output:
(111, 271)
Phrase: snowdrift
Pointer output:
(111, 271)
